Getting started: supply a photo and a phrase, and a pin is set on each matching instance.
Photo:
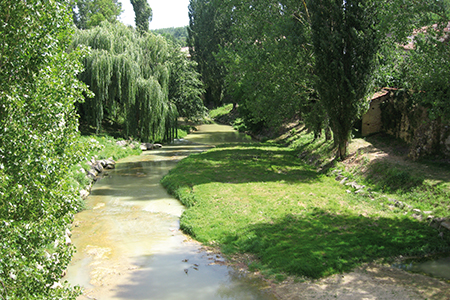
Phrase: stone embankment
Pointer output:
(442, 224)
(98, 167)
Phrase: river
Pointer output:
(128, 241)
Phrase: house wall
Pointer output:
(424, 136)
(371, 120)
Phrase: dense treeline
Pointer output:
(319, 59)
(177, 35)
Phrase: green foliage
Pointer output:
(220, 111)
(38, 127)
(90, 13)
(185, 86)
(264, 200)
(345, 40)
(208, 30)
(129, 73)
(143, 14)
(268, 63)
(177, 35)
(426, 72)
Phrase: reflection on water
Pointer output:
(214, 134)
(439, 268)
(128, 241)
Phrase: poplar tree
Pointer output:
(143, 14)
(345, 41)
(38, 132)
(208, 30)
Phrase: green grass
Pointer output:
(220, 111)
(263, 199)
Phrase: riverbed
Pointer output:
(128, 241)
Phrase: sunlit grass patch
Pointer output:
(220, 111)
(263, 199)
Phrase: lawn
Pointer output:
(263, 199)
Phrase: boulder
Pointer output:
(98, 167)
(92, 174)
(446, 224)
(84, 194)
(110, 163)
(122, 143)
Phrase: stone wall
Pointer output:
(371, 120)
(392, 113)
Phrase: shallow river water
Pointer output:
(128, 241)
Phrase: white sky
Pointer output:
(166, 13)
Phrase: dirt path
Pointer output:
(367, 282)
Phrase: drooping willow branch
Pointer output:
(129, 75)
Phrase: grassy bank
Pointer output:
(284, 205)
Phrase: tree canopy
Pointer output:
(90, 13)
(138, 80)
(345, 41)
(38, 129)
(318, 59)
(143, 14)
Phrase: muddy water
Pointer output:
(128, 241)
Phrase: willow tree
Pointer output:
(345, 41)
(129, 75)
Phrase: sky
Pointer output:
(166, 13)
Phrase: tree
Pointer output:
(268, 61)
(38, 129)
(345, 41)
(143, 14)
(90, 13)
(129, 75)
(208, 30)
(185, 86)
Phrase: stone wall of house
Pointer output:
(391, 114)
(371, 120)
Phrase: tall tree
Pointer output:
(345, 41)
(208, 30)
(90, 13)
(268, 60)
(143, 14)
(185, 86)
(38, 129)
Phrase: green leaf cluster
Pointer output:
(38, 129)
(90, 13)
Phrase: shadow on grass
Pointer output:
(409, 173)
(241, 164)
(319, 243)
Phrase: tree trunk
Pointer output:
(342, 149)
(328, 135)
